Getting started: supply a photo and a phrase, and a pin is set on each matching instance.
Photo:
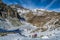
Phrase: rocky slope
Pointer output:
(47, 18)
(8, 17)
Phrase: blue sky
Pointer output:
(31, 4)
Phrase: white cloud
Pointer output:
(57, 10)
(49, 5)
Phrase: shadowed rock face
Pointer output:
(0, 1)
(6, 11)
(8, 17)
(9, 11)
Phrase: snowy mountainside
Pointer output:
(39, 23)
